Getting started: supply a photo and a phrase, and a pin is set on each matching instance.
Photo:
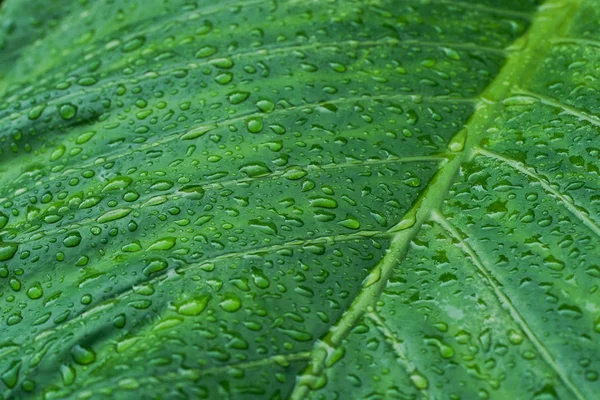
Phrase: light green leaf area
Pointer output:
(369, 199)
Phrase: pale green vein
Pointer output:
(269, 249)
(461, 46)
(551, 21)
(516, 72)
(399, 349)
(283, 360)
(549, 101)
(577, 42)
(221, 184)
(245, 54)
(279, 359)
(263, 52)
(315, 167)
(474, 6)
(158, 24)
(506, 302)
(530, 172)
(328, 239)
(404, 232)
(162, 140)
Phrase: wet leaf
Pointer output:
(341, 199)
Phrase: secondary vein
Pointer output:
(505, 301)
(554, 17)
(528, 171)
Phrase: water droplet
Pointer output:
(90, 202)
(337, 67)
(350, 222)
(206, 51)
(82, 354)
(238, 97)
(35, 291)
(254, 125)
(260, 279)
(197, 132)
(230, 302)
(373, 277)
(323, 202)
(67, 111)
(457, 144)
(265, 106)
(515, 337)
(36, 111)
(155, 265)
(255, 170)
(407, 222)
(72, 239)
(14, 319)
(300, 336)
(194, 307)
(224, 63)
(163, 244)
(8, 250)
(194, 192)
(167, 323)
(224, 78)
(118, 183)
(10, 377)
(294, 173)
(419, 380)
(265, 227)
(133, 44)
(114, 215)
(68, 374)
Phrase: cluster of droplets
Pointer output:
(204, 200)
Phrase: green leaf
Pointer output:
(328, 199)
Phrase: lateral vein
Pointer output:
(264, 52)
(549, 101)
(555, 16)
(273, 175)
(397, 346)
(162, 140)
(530, 172)
(109, 303)
(474, 6)
(505, 301)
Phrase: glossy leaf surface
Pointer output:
(259, 199)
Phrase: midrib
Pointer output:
(551, 22)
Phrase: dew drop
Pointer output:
(8, 250)
(230, 302)
(67, 111)
(83, 355)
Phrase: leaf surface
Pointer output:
(299, 199)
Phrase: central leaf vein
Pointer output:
(554, 16)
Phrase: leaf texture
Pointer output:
(381, 199)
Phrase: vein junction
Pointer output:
(554, 17)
